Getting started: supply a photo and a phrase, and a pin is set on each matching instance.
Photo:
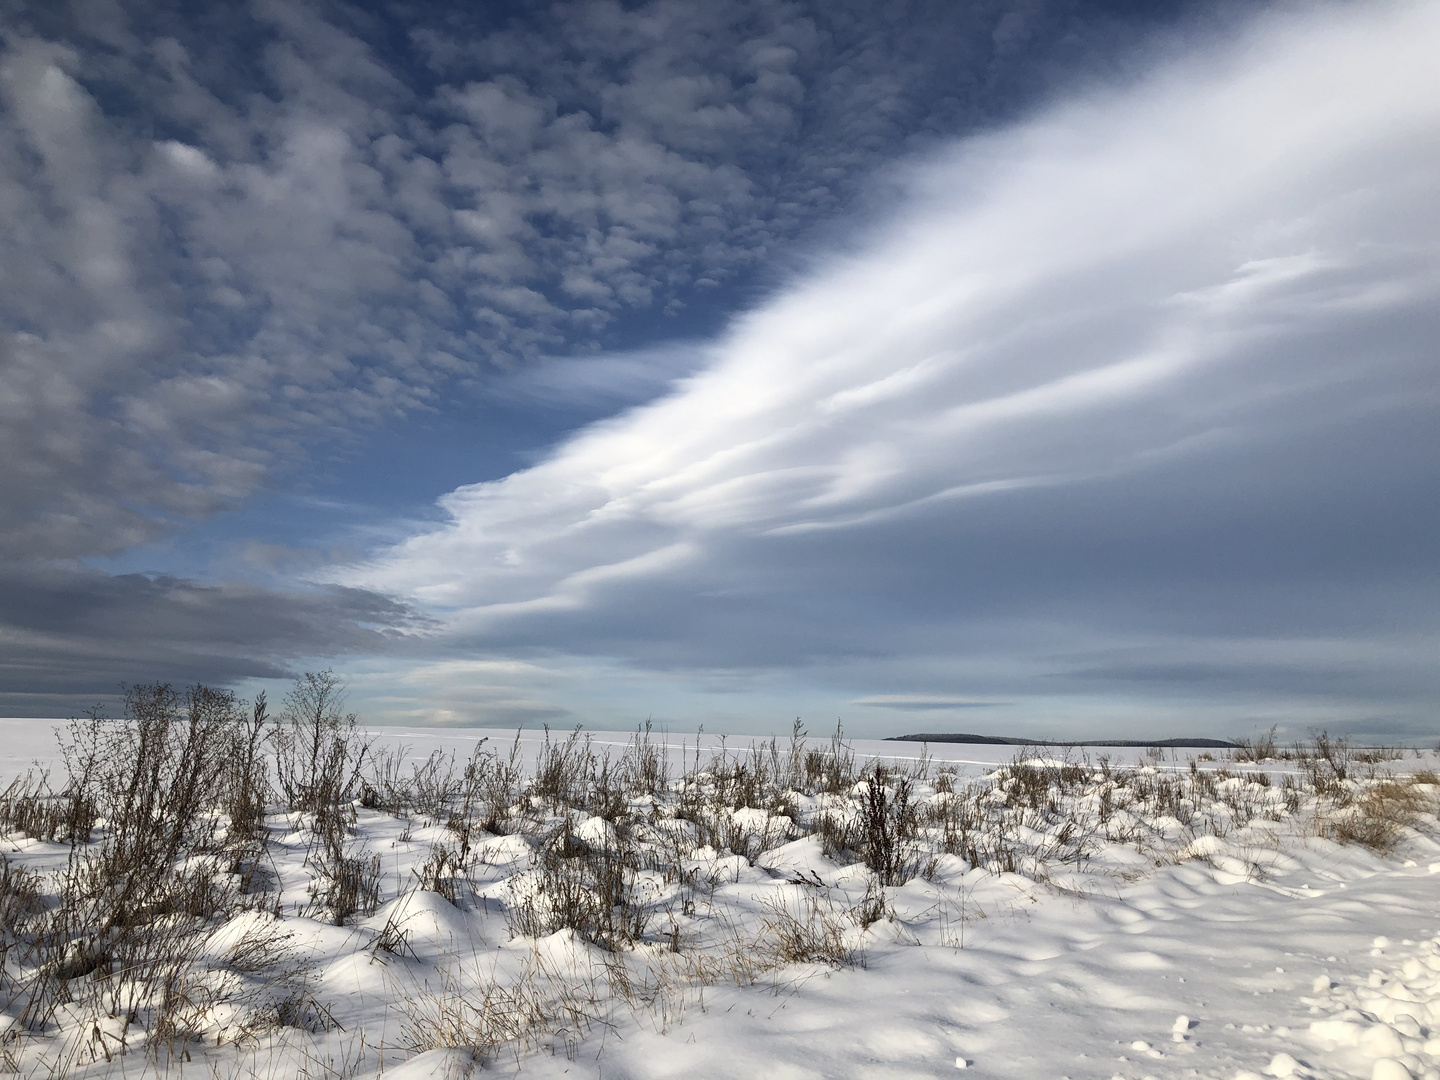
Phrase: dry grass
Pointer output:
(538, 1006)
(1379, 817)
(808, 927)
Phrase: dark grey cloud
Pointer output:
(71, 638)
(920, 703)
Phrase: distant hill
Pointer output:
(1006, 740)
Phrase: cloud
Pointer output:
(917, 703)
(71, 638)
(230, 236)
(607, 380)
(1130, 405)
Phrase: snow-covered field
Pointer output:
(1094, 914)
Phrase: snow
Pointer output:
(1251, 949)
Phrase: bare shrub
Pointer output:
(562, 771)
(246, 775)
(593, 890)
(491, 788)
(1374, 755)
(607, 795)
(160, 769)
(442, 872)
(837, 831)
(831, 771)
(887, 823)
(165, 813)
(435, 785)
(345, 885)
(960, 821)
(873, 906)
(21, 906)
(1326, 760)
(397, 786)
(386, 786)
(645, 768)
(28, 806)
(1291, 793)
(319, 752)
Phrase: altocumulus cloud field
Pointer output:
(1101, 400)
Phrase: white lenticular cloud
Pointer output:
(1242, 252)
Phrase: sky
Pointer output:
(1041, 367)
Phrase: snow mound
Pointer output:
(427, 921)
(443, 1064)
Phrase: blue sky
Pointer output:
(1026, 367)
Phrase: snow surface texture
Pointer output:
(1241, 942)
